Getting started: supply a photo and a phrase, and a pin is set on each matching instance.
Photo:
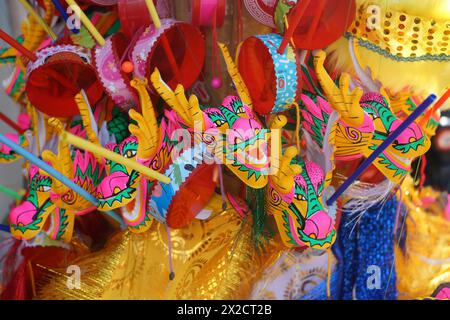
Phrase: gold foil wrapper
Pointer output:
(425, 262)
(212, 259)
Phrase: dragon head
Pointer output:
(123, 188)
(48, 197)
(366, 120)
(150, 144)
(118, 188)
(353, 142)
(396, 160)
(231, 130)
(29, 218)
(86, 173)
(245, 143)
(413, 142)
(300, 215)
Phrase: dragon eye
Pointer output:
(300, 197)
(43, 188)
(219, 122)
(130, 154)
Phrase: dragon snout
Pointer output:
(319, 225)
(112, 184)
(23, 214)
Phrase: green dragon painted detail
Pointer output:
(299, 213)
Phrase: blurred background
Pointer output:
(11, 176)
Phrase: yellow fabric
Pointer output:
(212, 259)
(425, 263)
(419, 78)
(402, 34)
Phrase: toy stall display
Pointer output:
(227, 149)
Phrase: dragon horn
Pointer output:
(367, 80)
(148, 112)
(49, 11)
(66, 165)
(235, 76)
(56, 124)
(277, 123)
(86, 117)
(332, 90)
(88, 120)
(284, 181)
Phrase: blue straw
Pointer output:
(44, 166)
(386, 143)
(4, 228)
(64, 14)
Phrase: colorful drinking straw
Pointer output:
(57, 175)
(64, 14)
(16, 45)
(86, 22)
(103, 152)
(47, 168)
(153, 13)
(295, 20)
(435, 108)
(38, 18)
(10, 193)
(165, 42)
(11, 123)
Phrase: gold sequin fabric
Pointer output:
(212, 259)
(401, 35)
